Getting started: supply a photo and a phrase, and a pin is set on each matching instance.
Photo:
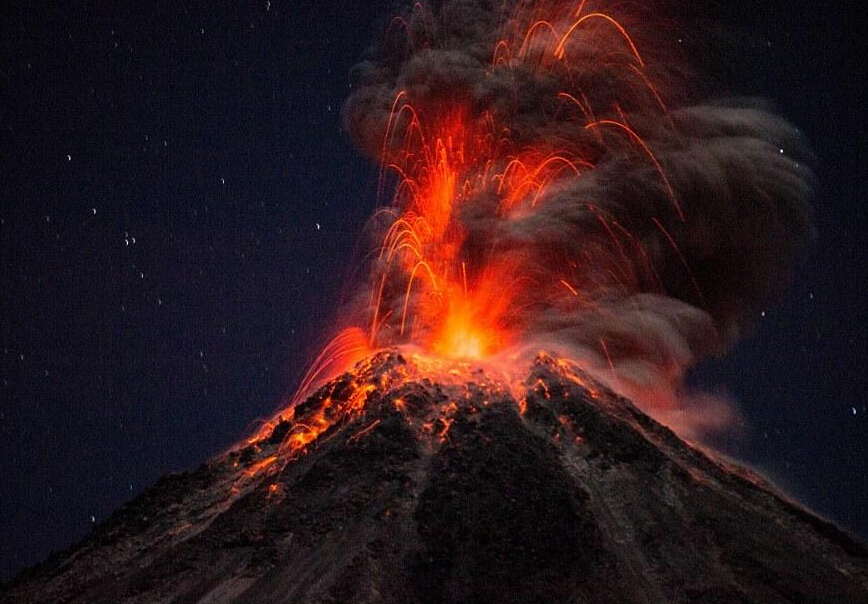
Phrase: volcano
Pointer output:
(415, 480)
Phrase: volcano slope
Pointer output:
(393, 483)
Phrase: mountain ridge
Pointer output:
(433, 484)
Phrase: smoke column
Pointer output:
(546, 185)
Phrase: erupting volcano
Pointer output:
(549, 183)
(566, 226)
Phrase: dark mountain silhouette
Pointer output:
(438, 486)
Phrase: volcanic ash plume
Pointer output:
(549, 194)
(546, 188)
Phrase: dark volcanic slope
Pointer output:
(439, 492)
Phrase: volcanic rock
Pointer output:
(399, 483)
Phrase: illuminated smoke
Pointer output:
(546, 187)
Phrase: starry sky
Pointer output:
(179, 211)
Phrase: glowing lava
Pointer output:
(457, 293)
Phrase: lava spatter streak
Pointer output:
(427, 391)
(387, 379)
(445, 159)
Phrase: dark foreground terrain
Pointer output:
(438, 491)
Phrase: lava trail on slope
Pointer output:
(426, 488)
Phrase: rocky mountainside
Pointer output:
(397, 483)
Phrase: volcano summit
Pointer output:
(459, 488)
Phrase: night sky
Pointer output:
(180, 213)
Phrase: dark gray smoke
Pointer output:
(669, 268)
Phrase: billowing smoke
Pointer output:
(592, 209)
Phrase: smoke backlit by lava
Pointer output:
(545, 186)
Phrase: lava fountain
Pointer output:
(546, 185)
